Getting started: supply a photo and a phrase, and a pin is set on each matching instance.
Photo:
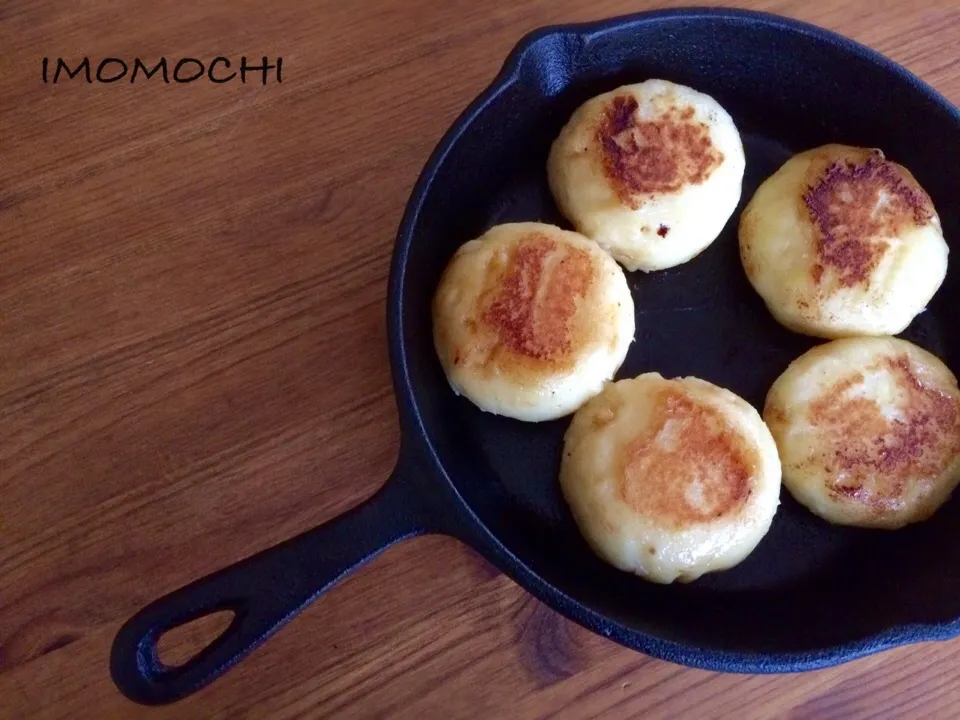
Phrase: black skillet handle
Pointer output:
(264, 591)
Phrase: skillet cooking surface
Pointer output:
(809, 587)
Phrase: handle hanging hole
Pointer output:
(180, 644)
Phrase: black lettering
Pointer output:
(46, 61)
(226, 62)
(83, 66)
(279, 69)
(265, 68)
(176, 70)
(138, 65)
(104, 63)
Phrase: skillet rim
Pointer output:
(414, 431)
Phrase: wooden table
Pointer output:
(192, 284)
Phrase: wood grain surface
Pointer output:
(193, 365)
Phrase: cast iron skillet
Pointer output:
(811, 595)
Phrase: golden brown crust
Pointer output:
(853, 202)
(656, 156)
(530, 320)
(687, 467)
(873, 459)
(530, 302)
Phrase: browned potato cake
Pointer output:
(868, 431)
(842, 242)
(650, 171)
(529, 321)
(670, 479)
